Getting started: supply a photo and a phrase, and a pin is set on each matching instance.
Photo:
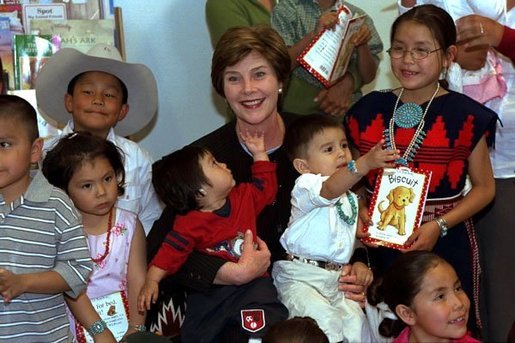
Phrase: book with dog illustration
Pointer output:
(397, 205)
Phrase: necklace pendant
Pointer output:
(408, 115)
(402, 161)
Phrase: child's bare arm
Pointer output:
(136, 271)
(84, 312)
(150, 290)
(255, 142)
(12, 285)
(341, 181)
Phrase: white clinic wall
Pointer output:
(171, 38)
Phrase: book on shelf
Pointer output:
(6, 54)
(15, 14)
(35, 12)
(75, 9)
(30, 54)
(329, 53)
(78, 33)
(397, 205)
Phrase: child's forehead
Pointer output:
(207, 156)
(327, 133)
(96, 75)
(413, 30)
(8, 122)
(441, 275)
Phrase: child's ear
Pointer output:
(301, 165)
(406, 314)
(68, 102)
(123, 112)
(36, 151)
(450, 56)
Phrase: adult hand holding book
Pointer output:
(328, 55)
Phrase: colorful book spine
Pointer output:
(30, 54)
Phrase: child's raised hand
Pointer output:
(327, 20)
(362, 36)
(11, 285)
(148, 295)
(377, 157)
(255, 142)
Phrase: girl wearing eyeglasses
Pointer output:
(437, 130)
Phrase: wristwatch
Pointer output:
(97, 328)
(442, 224)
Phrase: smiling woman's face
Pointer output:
(251, 88)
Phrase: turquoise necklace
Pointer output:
(354, 210)
(406, 120)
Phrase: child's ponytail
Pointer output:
(387, 323)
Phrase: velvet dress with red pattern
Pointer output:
(453, 126)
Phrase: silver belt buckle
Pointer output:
(313, 262)
(332, 266)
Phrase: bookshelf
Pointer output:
(86, 17)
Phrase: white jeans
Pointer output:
(307, 290)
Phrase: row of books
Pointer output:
(31, 33)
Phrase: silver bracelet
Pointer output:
(442, 224)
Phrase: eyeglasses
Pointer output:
(417, 53)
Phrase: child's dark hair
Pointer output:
(301, 132)
(15, 108)
(437, 20)
(71, 86)
(296, 330)
(73, 150)
(400, 284)
(178, 178)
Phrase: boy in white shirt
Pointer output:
(99, 88)
(321, 234)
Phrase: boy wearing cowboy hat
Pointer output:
(99, 89)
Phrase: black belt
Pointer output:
(322, 264)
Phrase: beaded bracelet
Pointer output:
(97, 328)
(351, 166)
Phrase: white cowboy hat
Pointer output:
(53, 79)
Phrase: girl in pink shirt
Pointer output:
(424, 292)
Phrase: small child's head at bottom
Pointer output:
(79, 152)
(296, 330)
(20, 145)
(426, 294)
(191, 179)
(317, 144)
